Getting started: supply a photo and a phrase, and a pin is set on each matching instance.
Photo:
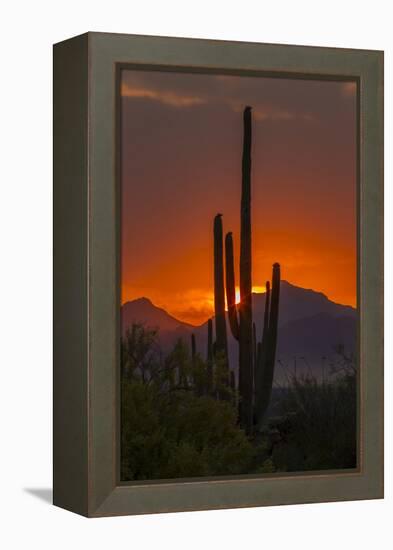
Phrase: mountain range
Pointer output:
(310, 328)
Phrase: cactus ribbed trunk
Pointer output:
(245, 308)
(230, 286)
(219, 293)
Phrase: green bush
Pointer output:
(178, 434)
(170, 426)
(174, 424)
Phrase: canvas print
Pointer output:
(238, 275)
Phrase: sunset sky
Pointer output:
(181, 153)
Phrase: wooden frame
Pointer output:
(86, 290)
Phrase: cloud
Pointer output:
(180, 93)
(193, 315)
(270, 112)
(199, 302)
(171, 98)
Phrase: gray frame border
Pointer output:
(104, 495)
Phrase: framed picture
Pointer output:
(218, 274)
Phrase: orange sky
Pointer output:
(181, 164)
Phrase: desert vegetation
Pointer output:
(178, 421)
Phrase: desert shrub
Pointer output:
(322, 418)
(178, 434)
(170, 426)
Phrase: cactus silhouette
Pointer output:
(240, 318)
(230, 286)
(256, 359)
(266, 353)
(221, 346)
(266, 315)
(245, 307)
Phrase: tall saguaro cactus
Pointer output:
(240, 318)
(245, 307)
(219, 292)
(256, 359)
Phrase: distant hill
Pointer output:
(144, 311)
(298, 303)
(310, 327)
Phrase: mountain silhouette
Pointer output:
(311, 327)
(297, 303)
(144, 311)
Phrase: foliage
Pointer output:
(176, 423)
(168, 428)
(320, 431)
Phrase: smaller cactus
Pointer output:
(266, 354)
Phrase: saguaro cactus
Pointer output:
(266, 354)
(219, 293)
(245, 308)
(256, 359)
(241, 326)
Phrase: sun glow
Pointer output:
(255, 290)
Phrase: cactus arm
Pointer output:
(269, 353)
(219, 294)
(266, 315)
(230, 286)
(261, 358)
(273, 316)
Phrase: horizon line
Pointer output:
(226, 310)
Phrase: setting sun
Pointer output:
(255, 289)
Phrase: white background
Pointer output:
(28, 30)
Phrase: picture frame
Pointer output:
(86, 274)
